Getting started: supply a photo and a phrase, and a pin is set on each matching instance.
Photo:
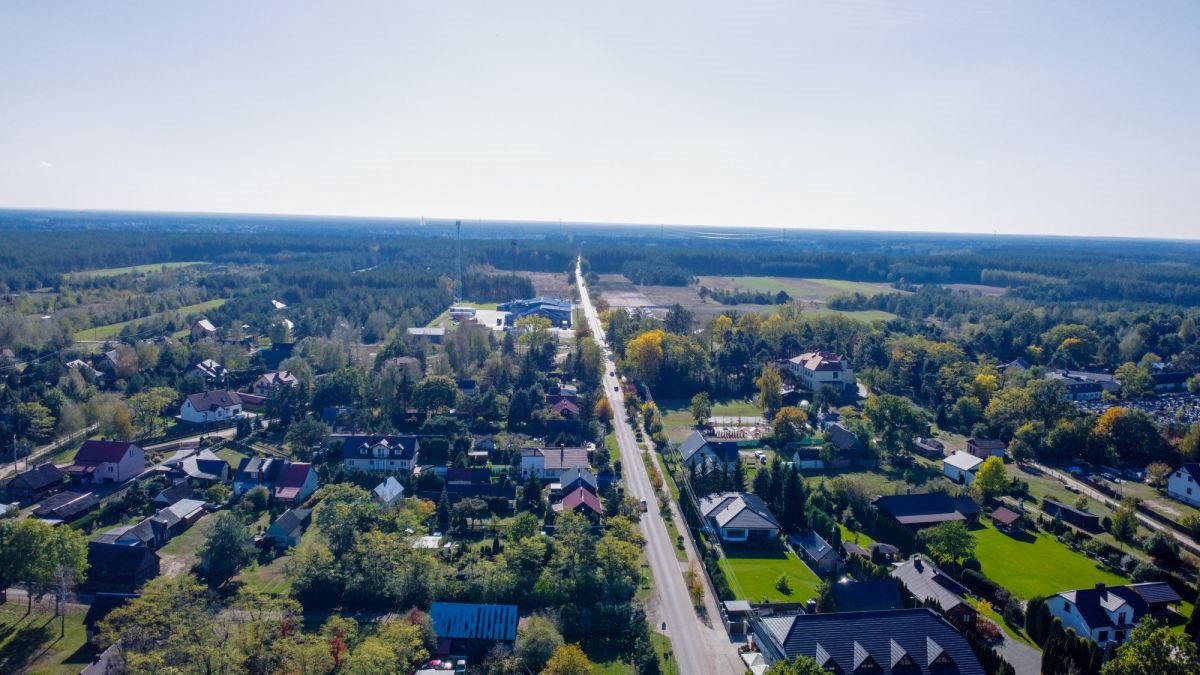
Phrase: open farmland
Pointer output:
(811, 293)
(133, 269)
(114, 329)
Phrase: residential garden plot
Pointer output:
(1029, 564)
(753, 575)
(677, 413)
(30, 643)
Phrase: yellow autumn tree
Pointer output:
(645, 352)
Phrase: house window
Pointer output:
(1121, 619)
(1102, 636)
(1120, 636)
(110, 468)
(1067, 607)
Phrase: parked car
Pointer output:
(1070, 488)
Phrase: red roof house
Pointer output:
(107, 462)
(583, 501)
(295, 482)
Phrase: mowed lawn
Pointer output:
(1030, 565)
(114, 329)
(752, 575)
(677, 413)
(30, 643)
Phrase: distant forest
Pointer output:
(1035, 268)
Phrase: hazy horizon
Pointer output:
(1071, 119)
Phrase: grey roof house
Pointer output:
(740, 517)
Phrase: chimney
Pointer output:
(811, 606)
(918, 564)
(1100, 589)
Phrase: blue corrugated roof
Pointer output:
(454, 620)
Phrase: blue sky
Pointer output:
(1073, 118)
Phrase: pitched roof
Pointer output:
(183, 508)
(174, 493)
(96, 452)
(926, 509)
(389, 490)
(37, 478)
(726, 451)
(963, 461)
(291, 521)
(865, 596)
(280, 378)
(557, 459)
(1192, 469)
(116, 563)
(455, 620)
(1154, 592)
(987, 443)
(205, 324)
(211, 400)
(582, 497)
(66, 505)
(1005, 516)
(1094, 605)
(565, 405)
(293, 474)
(739, 509)
(392, 447)
(897, 641)
(842, 438)
(924, 580)
(819, 361)
(579, 475)
(813, 544)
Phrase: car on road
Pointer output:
(644, 506)
(1070, 487)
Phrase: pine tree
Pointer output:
(443, 512)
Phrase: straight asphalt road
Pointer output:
(697, 648)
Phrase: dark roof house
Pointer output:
(916, 641)
(34, 483)
(121, 569)
(456, 622)
(921, 510)
(866, 596)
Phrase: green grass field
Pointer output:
(31, 643)
(133, 269)
(604, 663)
(866, 315)
(803, 289)
(677, 413)
(1031, 565)
(752, 575)
(232, 456)
(114, 329)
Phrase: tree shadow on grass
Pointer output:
(740, 553)
(26, 645)
(85, 654)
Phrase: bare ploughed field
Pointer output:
(988, 291)
(549, 285)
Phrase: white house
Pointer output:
(210, 370)
(100, 462)
(379, 453)
(696, 450)
(961, 467)
(1104, 613)
(270, 384)
(1184, 484)
(211, 406)
(817, 369)
(552, 462)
